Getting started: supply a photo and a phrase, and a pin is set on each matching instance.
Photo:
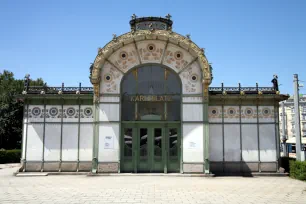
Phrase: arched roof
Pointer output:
(140, 35)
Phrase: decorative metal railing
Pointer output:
(239, 89)
(89, 90)
(57, 90)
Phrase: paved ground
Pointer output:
(148, 189)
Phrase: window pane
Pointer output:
(150, 81)
(173, 142)
(128, 133)
(157, 142)
(143, 142)
(151, 110)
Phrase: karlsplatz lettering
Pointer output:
(152, 98)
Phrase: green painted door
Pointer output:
(150, 148)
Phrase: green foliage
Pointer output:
(11, 109)
(298, 170)
(10, 156)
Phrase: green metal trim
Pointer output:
(243, 123)
(22, 137)
(151, 122)
(79, 134)
(206, 137)
(61, 140)
(104, 102)
(109, 95)
(240, 129)
(192, 95)
(165, 146)
(103, 122)
(95, 154)
(188, 122)
(61, 123)
(276, 128)
(120, 133)
(223, 140)
(181, 152)
(26, 139)
(44, 137)
(258, 136)
(192, 103)
(194, 163)
(56, 96)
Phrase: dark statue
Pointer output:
(275, 82)
(90, 69)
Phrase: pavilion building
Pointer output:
(151, 109)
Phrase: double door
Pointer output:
(150, 148)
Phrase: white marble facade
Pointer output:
(54, 133)
(241, 133)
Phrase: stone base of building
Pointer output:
(49, 166)
(219, 168)
(193, 167)
(108, 167)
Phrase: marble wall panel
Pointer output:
(267, 142)
(109, 142)
(249, 142)
(193, 143)
(109, 112)
(86, 142)
(215, 142)
(192, 112)
(35, 142)
(52, 142)
(70, 142)
(232, 142)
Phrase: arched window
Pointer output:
(151, 92)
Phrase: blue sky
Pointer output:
(246, 41)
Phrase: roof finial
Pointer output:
(151, 27)
(114, 37)
(133, 16)
(168, 16)
(188, 36)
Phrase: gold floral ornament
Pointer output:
(259, 92)
(242, 93)
(224, 93)
(277, 92)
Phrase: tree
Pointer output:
(11, 109)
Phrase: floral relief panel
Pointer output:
(110, 79)
(191, 79)
(125, 58)
(176, 57)
(151, 51)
